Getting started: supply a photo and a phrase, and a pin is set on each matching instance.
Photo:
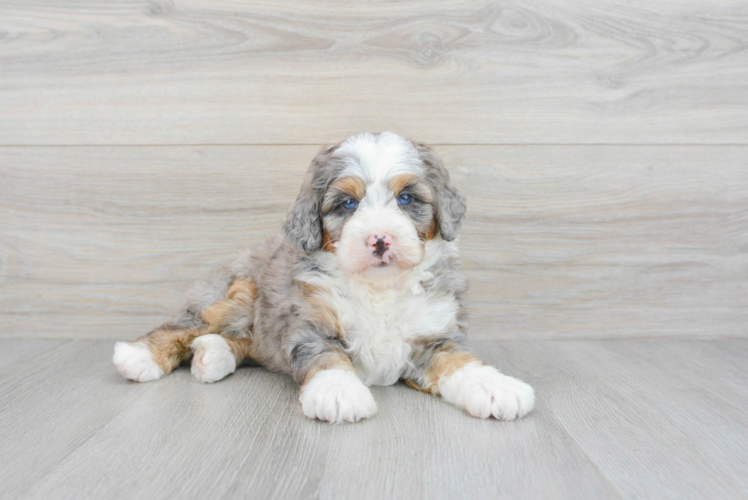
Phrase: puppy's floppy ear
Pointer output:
(303, 226)
(449, 203)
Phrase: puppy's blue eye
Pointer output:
(404, 199)
(350, 204)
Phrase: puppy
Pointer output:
(363, 287)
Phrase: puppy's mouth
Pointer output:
(389, 261)
(383, 260)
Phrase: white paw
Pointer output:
(134, 361)
(337, 396)
(212, 358)
(483, 392)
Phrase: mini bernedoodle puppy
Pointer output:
(362, 288)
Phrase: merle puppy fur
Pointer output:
(363, 287)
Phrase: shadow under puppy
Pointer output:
(362, 288)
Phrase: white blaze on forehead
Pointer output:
(378, 158)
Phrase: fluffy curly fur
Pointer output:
(362, 288)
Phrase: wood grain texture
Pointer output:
(53, 402)
(646, 428)
(28, 350)
(421, 447)
(561, 242)
(614, 419)
(302, 72)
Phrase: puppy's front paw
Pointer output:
(483, 392)
(212, 358)
(337, 396)
(134, 361)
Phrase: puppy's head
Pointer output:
(374, 201)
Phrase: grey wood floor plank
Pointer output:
(423, 448)
(208, 71)
(560, 242)
(242, 436)
(650, 434)
(52, 404)
(25, 349)
(614, 419)
(247, 434)
(719, 368)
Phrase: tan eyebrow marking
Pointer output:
(353, 186)
(415, 183)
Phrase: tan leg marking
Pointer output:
(444, 363)
(239, 301)
(334, 360)
(241, 347)
(169, 347)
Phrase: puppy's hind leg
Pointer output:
(156, 354)
(226, 341)
(225, 324)
(217, 356)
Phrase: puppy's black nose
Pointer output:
(380, 243)
(381, 248)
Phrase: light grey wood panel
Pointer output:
(418, 446)
(719, 368)
(561, 242)
(248, 434)
(185, 439)
(614, 419)
(651, 432)
(110, 238)
(25, 349)
(606, 241)
(228, 72)
(52, 404)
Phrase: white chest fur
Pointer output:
(378, 326)
(378, 323)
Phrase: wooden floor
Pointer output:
(614, 419)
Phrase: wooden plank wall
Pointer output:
(603, 148)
